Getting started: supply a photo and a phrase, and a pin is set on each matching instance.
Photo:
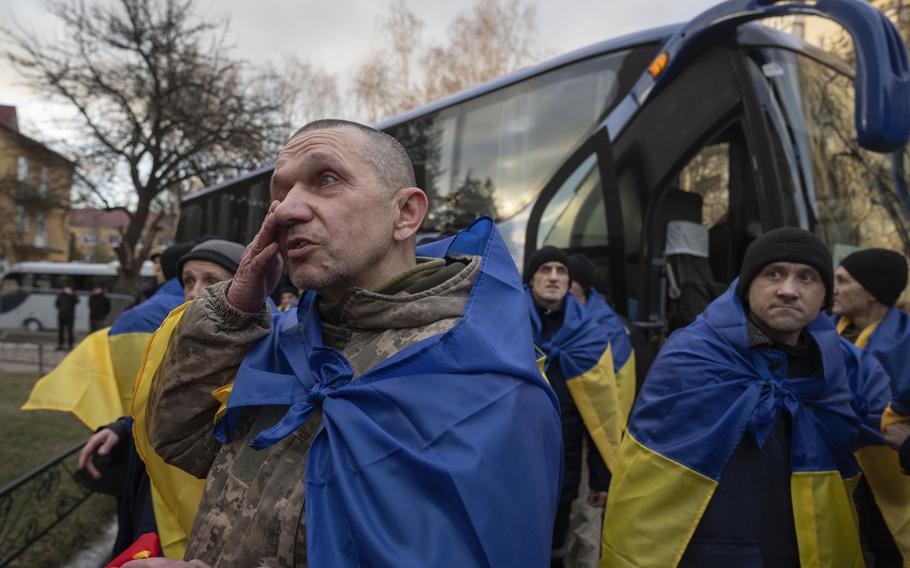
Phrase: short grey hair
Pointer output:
(387, 155)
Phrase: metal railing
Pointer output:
(36, 502)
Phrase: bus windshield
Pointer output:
(848, 195)
(491, 155)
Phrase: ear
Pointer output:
(411, 207)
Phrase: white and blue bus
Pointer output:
(28, 292)
(722, 122)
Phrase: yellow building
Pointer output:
(35, 184)
(96, 233)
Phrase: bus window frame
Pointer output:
(597, 144)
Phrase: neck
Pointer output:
(785, 337)
(874, 313)
(395, 263)
(548, 305)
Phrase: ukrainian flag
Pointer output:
(582, 346)
(884, 346)
(621, 349)
(705, 392)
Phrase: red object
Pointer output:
(146, 546)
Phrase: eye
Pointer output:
(327, 179)
(807, 277)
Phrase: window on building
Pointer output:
(44, 182)
(21, 220)
(114, 240)
(22, 169)
(41, 229)
(91, 239)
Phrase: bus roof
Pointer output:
(88, 268)
(629, 40)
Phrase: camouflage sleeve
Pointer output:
(203, 354)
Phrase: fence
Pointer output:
(36, 502)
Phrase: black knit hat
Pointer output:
(581, 269)
(786, 244)
(542, 256)
(882, 272)
(223, 253)
(170, 258)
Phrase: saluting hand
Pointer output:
(260, 268)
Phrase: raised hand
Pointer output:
(260, 268)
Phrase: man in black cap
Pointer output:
(742, 438)
(579, 364)
(867, 285)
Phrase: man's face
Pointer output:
(786, 296)
(550, 284)
(96, 290)
(287, 298)
(576, 290)
(850, 298)
(335, 214)
(67, 289)
(200, 274)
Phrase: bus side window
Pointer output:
(720, 174)
(575, 218)
(11, 283)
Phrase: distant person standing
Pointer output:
(99, 306)
(66, 314)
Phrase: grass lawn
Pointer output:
(33, 438)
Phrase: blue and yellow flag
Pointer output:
(706, 391)
(620, 347)
(446, 454)
(582, 346)
(882, 349)
(95, 381)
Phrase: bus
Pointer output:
(28, 292)
(724, 124)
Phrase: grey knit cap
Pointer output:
(225, 254)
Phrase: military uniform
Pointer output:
(252, 512)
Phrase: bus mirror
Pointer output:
(882, 85)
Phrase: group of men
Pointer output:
(429, 406)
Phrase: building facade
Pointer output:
(96, 233)
(35, 185)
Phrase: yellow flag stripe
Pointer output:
(826, 528)
(175, 493)
(83, 384)
(653, 507)
(596, 395)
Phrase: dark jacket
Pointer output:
(750, 516)
(66, 305)
(99, 305)
(574, 432)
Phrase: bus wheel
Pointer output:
(32, 325)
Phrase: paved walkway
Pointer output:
(17, 357)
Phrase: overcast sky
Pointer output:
(338, 34)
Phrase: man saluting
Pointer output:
(391, 422)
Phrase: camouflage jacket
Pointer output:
(252, 513)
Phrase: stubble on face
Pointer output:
(785, 297)
(341, 211)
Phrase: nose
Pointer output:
(295, 207)
(194, 291)
(788, 288)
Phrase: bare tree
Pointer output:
(493, 38)
(161, 106)
(307, 91)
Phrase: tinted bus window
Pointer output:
(491, 155)
(852, 199)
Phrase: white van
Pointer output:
(28, 291)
